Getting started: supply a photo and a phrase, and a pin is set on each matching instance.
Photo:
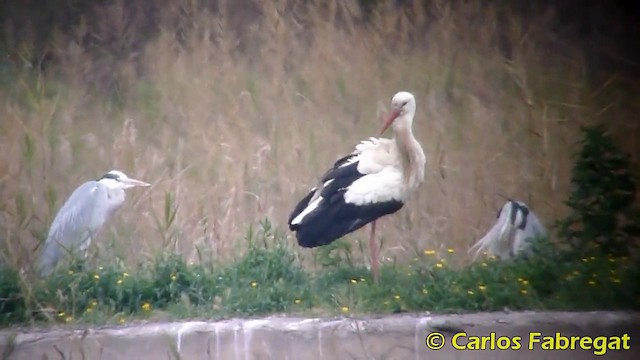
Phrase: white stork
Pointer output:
(512, 233)
(375, 180)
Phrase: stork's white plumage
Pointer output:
(375, 180)
(511, 235)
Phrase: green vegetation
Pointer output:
(602, 198)
(269, 279)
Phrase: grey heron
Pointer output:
(88, 208)
(375, 180)
(512, 233)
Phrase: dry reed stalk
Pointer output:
(237, 124)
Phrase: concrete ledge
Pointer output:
(391, 337)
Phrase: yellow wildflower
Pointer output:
(297, 301)
(254, 284)
(146, 307)
(429, 252)
(345, 309)
(450, 250)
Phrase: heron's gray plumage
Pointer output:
(512, 233)
(88, 208)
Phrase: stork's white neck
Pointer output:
(403, 123)
(410, 151)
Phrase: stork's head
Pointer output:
(115, 179)
(403, 109)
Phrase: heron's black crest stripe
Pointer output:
(515, 208)
(519, 208)
(525, 215)
(514, 211)
(110, 176)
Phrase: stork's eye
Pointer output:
(404, 103)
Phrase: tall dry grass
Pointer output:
(232, 116)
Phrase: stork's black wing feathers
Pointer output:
(341, 176)
(338, 167)
(334, 217)
(299, 208)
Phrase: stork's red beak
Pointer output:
(389, 120)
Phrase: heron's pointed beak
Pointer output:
(129, 183)
(389, 120)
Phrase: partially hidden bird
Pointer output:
(512, 234)
(374, 180)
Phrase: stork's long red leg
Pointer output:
(374, 252)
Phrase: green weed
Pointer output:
(269, 279)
